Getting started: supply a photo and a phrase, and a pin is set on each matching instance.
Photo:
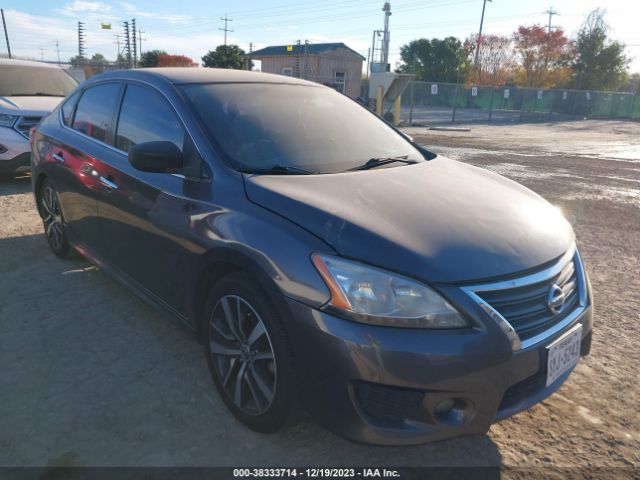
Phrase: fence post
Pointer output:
(379, 94)
(455, 96)
(575, 96)
(396, 111)
(524, 97)
(411, 105)
(553, 99)
(493, 89)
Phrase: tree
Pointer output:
(226, 56)
(77, 61)
(121, 61)
(543, 56)
(149, 58)
(98, 60)
(495, 60)
(432, 60)
(600, 64)
(167, 60)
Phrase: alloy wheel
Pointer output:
(52, 218)
(242, 354)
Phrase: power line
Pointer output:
(226, 29)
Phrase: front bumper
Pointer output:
(381, 385)
(15, 149)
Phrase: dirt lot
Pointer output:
(91, 376)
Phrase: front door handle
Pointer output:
(58, 157)
(110, 184)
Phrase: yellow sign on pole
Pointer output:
(289, 48)
(105, 26)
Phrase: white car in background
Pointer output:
(28, 92)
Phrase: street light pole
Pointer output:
(484, 4)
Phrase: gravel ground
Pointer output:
(91, 376)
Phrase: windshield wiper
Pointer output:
(378, 161)
(285, 170)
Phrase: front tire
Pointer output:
(52, 220)
(248, 353)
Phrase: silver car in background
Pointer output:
(28, 92)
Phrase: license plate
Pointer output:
(563, 354)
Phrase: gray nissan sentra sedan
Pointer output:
(323, 259)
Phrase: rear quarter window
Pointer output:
(68, 107)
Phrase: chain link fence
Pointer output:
(427, 102)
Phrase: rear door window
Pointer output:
(146, 116)
(95, 110)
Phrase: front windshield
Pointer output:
(20, 80)
(260, 126)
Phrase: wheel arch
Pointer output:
(37, 188)
(220, 261)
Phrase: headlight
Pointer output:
(371, 295)
(7, 120)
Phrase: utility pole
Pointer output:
(298, 59)
(58, 50)
(6, 35)
(42, 50)
(385, 47)
(249, 65)
(368, 60)
(134, 42)
(140, 40)
(127, 42)
(226, 20)
(484, 4)
(117, 42)
(551, 13)
(81, 39)
(306, 51)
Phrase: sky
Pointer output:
(191, 27)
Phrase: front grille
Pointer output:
(389, 404)
(527, 308)
(25, 124)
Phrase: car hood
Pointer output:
(29, 106)
(440, 221)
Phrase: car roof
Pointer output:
(26, 63)
(181, 75)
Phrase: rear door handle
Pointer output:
(110, 184)
(58, 157)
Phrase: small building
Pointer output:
(332, 64)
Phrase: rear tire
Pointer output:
(52, 220)
(248, 353)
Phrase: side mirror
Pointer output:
(156, 157)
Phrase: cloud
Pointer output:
(131, 10)
(82, 6)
